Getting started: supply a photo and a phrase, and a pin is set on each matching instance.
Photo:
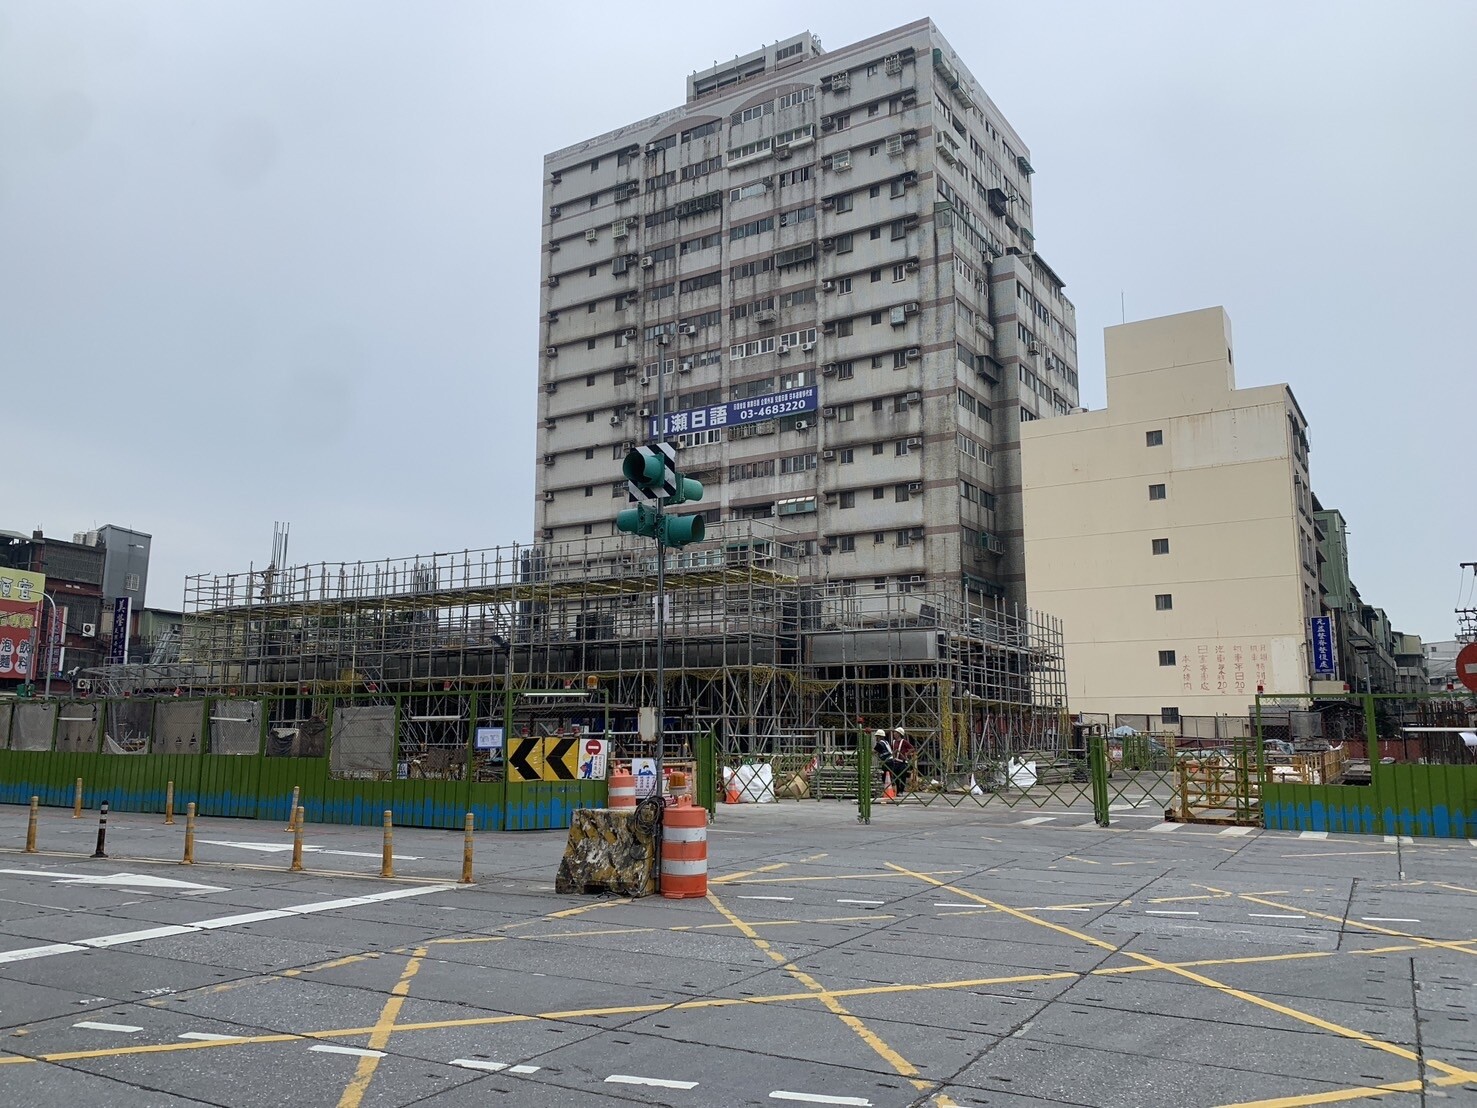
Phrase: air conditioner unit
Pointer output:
(828, 202)
(553, 248)
(828, 244)
(89, 630)
(628, 446)
(828, 370)
(909, 96)
(553, 317)
(914, 442)
(645, 411)
(807, 347)
(553, 282)
(765, 315)
(552, 352)
(911, 307)
(893, 64)
(548, 459)
(910, 266)
(629, 332)
(829, 326)
(550, 423)
(1033, 348)
(913, 354)
(831, 498)
(826, 548)
(912, 397)
(647, 261)
(915, 486)
(616, 420)
(828, 455)
(83, 684)
(684, 367)
(548, 532)
(828, 123)
(686, 329)
(910, 178)
(768, 427)
(782, 348)
(551, 386)
(899, 315)
(802, 425)
(783, 153)
(591, 235)
(828, 286)
(652, 149)
(894, 145)
(840, 82)
(828, 412)
(663, 339)
(555, 178)
(554, 211)
(841, 161)
(631, 298)
(620, 229)
(917, 578)
(548, 498)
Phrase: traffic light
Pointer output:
(651, 475)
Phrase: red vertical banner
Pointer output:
(21, 595)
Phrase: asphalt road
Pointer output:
(934, 957)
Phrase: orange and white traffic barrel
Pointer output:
(684, 851)
(622, 789)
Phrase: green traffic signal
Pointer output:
(643, 470)
(678, 531)
(640, 520)
(687, 490)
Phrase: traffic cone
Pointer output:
(888, 792)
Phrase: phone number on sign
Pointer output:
(769, 411)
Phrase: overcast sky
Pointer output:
(279, 260)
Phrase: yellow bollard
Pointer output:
(169, 803)
(31, 825)
(77, 801)
(189, 858)
(297, 841)
(467, 852)
(387, 853)
(292, 820)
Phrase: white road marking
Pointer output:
(1034, 820)
(357, 1052)
(1399, 839)
(1313, 834)
(1236, 831)
(479, 1064)
(523, 1069)
(947, 904)
(656, 1082)
(817, 1098)
(861, 902)
(93, 1025)
(1166, 827)
(1275, 915)
(282, 848)
(1159, 912)
(1388, 919)
(207, 1037)
(25, 954)
(1049, 909)
(766, 898)
(126, 880)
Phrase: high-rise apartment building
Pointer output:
(821, 271)
(1173, 531)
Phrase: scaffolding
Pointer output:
(760, 649)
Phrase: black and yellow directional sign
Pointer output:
(546, 758)
(526, 758)
(561, 757)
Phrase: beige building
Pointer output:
(1172, 532)
(823, 265)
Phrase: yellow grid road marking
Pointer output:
(379, 1037)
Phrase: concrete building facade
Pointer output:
(1172, 532)
(822, 268)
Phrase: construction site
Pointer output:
(760, 650)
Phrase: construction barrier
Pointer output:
(684, 850)
(612, 850)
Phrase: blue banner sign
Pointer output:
(118, 648)
(752, 409)
(1323, 652)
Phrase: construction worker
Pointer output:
(894, 760)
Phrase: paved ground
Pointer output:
(969, 957)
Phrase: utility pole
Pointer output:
(1466, 618)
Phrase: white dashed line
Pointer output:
(1235, 831)
(523, 1069)
(817, 1098)
(357, 1052)
(1034, 820)
(947, 904)
(1313, 834)
(766, 898)
(123, 1028)
(1048, 909)
(479, 1064)
(1275, 915)
(207, 1037)
(1388, 919)
(1405, 839)
(872, 903)
(1156, 912)
(655, 1082)
(1166, 827)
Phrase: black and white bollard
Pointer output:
(102, 830)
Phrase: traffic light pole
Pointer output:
(661, 589)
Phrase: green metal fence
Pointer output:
(351, 757)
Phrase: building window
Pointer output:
(1166, 657)
(130, 583)
(843, 328)
(1153, 438)
(843, 286)
(1157, 492)
(878, 447)
(844, 203)
(589, 528)
(1163, 601)
(875, 233)
(848, 500)
(589, 417)
(899, 273)
(845, 413)
(1169, 715)
(589, 453)
(878, 493)
(1160, 546)
(847, 456)
(848, 544)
